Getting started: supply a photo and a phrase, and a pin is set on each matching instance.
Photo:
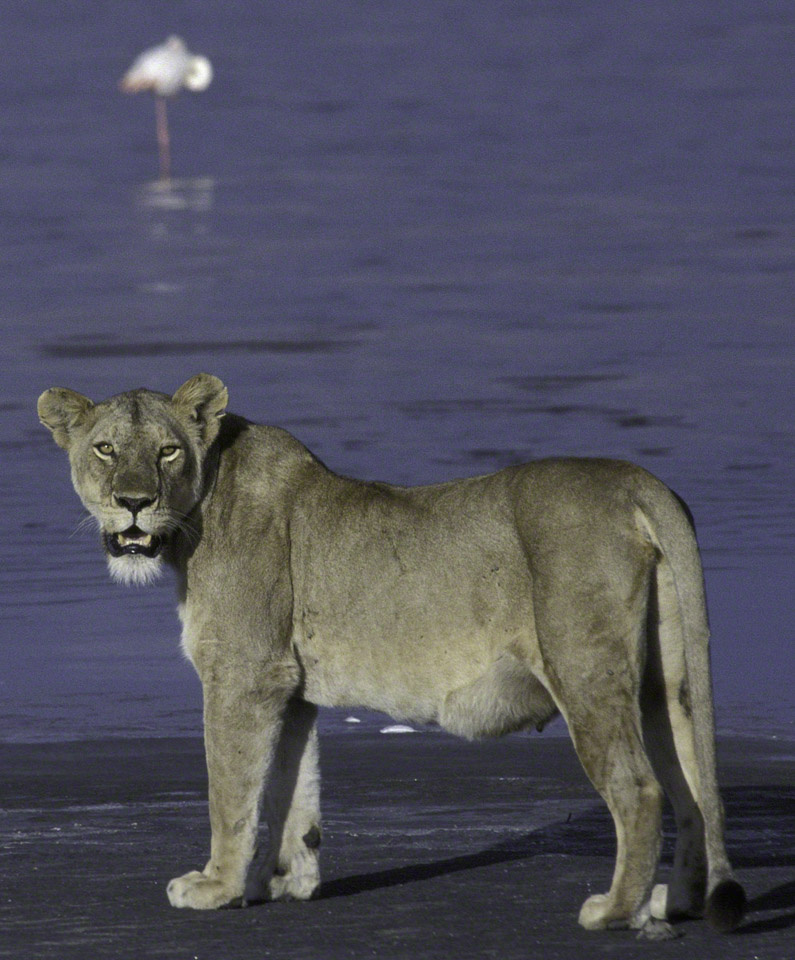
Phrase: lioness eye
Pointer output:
(169, 452)
(103, 450)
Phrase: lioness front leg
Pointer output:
(242, 724)
(290, 869)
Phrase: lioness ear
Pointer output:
(203, 399)
(61, 410)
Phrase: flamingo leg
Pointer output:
(163, 140)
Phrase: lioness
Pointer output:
(484, 605)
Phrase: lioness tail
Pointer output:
(684, 648)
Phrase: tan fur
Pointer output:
(484, 605)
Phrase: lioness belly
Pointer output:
(407, 642)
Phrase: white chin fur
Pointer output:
(135, 570)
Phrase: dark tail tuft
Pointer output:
(725, 907)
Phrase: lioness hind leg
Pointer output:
(290, 869)
(590, 622)
(621, 772)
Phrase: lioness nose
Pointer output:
(133, 504)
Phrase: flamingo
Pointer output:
(165, 70)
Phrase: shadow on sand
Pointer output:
(761, 834)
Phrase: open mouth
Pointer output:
(133, 541)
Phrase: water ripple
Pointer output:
(161, 348)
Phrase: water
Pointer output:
(430, 239)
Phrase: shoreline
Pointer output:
(344, 722)
(433, 847)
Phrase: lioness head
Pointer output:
(137, 463)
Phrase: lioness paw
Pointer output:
(596, 913)
(599, 913)
(199, 892)
(300, 882)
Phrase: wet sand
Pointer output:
(433, 848)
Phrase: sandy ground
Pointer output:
(433, 848)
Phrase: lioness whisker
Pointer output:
(84, 522)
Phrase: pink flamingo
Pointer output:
(165, 70)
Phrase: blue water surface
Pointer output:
(429, 238)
